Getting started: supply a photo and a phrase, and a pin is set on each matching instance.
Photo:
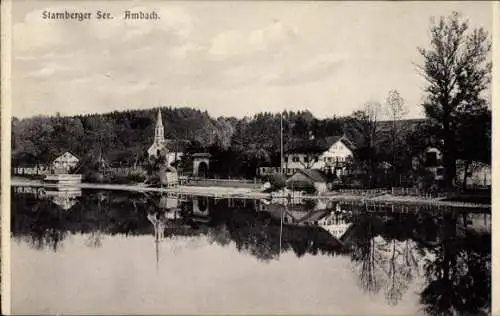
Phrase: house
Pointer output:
(478, 174)
(65, 163)
(308, 178)
(331, 156)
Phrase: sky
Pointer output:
(229, 58)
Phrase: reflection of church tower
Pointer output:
(159, 141)
(158, 222)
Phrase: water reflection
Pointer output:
(390, 247)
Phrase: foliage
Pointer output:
(277, 181)
(457, 71)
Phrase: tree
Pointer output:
(457, 71)
(363, 126)
(395, 110)
(474, 139)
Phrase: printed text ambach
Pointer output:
(129, 15)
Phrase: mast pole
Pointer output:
(281, 143)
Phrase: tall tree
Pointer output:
(395, 110)
(474, 139)
(363, 127)
(457, 71)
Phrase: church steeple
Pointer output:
(159, 134)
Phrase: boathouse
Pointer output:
(308, 178)
(65, 163)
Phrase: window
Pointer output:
(439, 171)
(431, 159)
(316, 159)
(306, 159)
(295, 158)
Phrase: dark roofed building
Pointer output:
(308, 178)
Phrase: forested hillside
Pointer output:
(238, 146)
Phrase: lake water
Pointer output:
(97, 252)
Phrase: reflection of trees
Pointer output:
(401, 265)
(364, 255)
(387, 255)
(43, 225)
(459, 279)
(43, 221)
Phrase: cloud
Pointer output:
(270, 39)
(317, 69)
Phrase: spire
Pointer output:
(159, 122)
(159, 135)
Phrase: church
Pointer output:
(160, 143)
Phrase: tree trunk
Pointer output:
(466, 169)
(449, 157)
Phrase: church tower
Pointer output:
(159, 141)
(159, 134)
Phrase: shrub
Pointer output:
(277, 181)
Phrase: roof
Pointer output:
(178, 145)
(64, 153)
(313, 174)
(346, 141)
(202, 155)
(319, 146)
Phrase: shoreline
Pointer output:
(247, 193)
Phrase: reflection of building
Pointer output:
(335, 223)
(479, 222)
(201, 210)
(64, 197)
(170, 207)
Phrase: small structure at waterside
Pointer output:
(168, 177)
(306, 179)
(61, 171)
(201, 164)
(65, 163)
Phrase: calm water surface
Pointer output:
(84, 252)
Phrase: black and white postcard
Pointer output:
(247, 157)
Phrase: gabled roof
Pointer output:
(313, 174)
(63, 153)
(346, 141)
(179, 145)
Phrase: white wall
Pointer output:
(336, 151)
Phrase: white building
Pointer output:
(339, 150)
(65, 163)
(159, 140)
(160, 143)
